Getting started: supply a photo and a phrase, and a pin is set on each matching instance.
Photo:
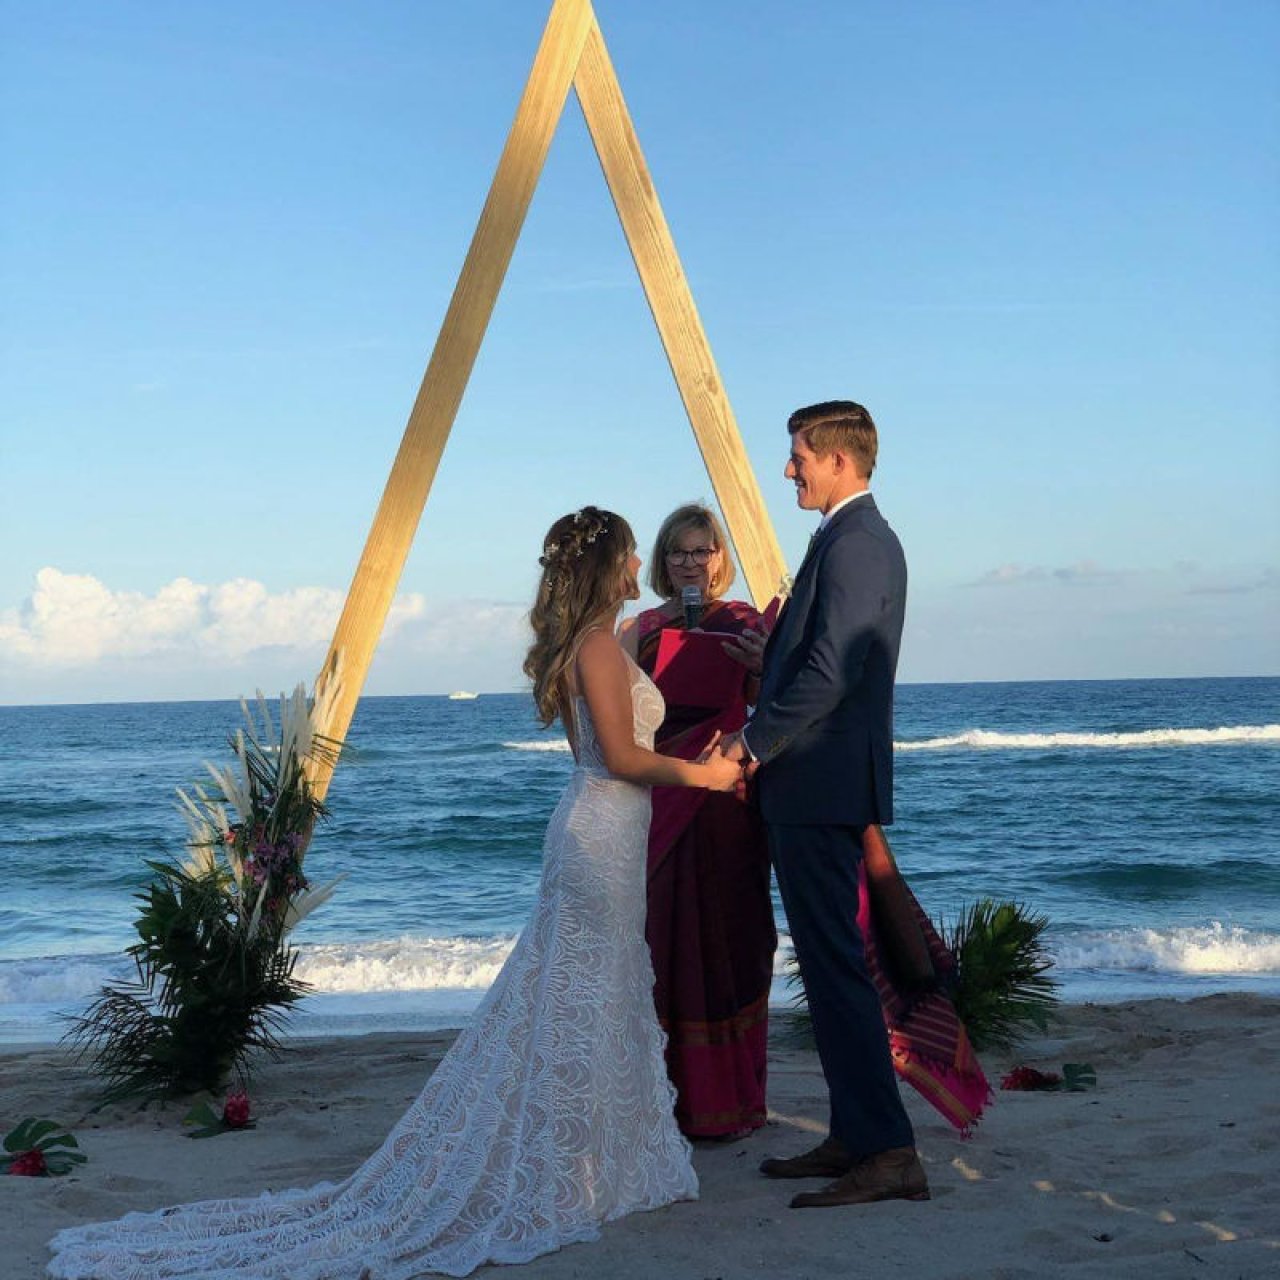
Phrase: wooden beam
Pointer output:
(676, 316)
(450, 366)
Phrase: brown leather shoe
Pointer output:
(827, 1160)
(896, 1174)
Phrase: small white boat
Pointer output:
(462, 695)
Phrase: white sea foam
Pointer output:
(1215, 948)
(989, 739)
(443, 965)
(404, 964)
(60, 979)
(348, 968)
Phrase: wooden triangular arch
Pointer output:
(572, 53)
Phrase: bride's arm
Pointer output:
(605, 681)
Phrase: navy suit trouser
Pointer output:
(817, 870)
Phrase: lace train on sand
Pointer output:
(551, 1114)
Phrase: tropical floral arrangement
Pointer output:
(215, 967)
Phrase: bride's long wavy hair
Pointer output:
(585, 577)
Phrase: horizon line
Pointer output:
(507, 693)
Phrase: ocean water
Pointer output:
(1141, 817)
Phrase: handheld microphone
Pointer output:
(691, 599)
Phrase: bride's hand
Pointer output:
(723, 774)
(711, 748)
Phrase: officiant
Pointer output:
(710, 921)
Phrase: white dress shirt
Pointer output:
(844, 502)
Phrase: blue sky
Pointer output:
(1040, 241)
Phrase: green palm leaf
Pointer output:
(1003, 987)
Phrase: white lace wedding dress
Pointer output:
(551, 1114)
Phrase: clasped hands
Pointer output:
(748, 649)
(734, 748)
(731, 747)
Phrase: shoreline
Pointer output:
(446, 1010)
(1168, 1167)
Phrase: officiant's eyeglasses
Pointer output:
(699, 555)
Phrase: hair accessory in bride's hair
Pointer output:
(588, 524)
(581, 516)
(551, 553)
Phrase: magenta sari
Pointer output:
(710, 922)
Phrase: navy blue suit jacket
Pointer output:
(823, 726)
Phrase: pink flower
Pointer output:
(235, 1111)
(29, 1164)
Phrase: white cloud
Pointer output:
(73, 619)
(1267, 580)
(1039, 623)
(1188, 576)
(1008, 574)
(75, 636)
(1082, 573)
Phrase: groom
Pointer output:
(822, 742)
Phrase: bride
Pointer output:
(552, 1113)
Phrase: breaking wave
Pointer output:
(1213, 948)
(986, 739)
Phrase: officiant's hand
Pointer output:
(748, 649)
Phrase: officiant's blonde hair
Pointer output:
(693, 515)
(585, 577)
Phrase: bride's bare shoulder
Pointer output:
(628, 636)
(600, 658)
(599, 645)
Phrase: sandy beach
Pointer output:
(1168, 1168)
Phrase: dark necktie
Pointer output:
(808, 551)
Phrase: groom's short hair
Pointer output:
(838, 424)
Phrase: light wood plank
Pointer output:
(676, 316)
(451, 362)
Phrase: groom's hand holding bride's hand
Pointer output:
(725, 772)
(733, 748)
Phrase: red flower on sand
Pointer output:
(209, 1122)
(40, 1149)
(29, 1164)
(1027, 1078)
(235, 1111)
